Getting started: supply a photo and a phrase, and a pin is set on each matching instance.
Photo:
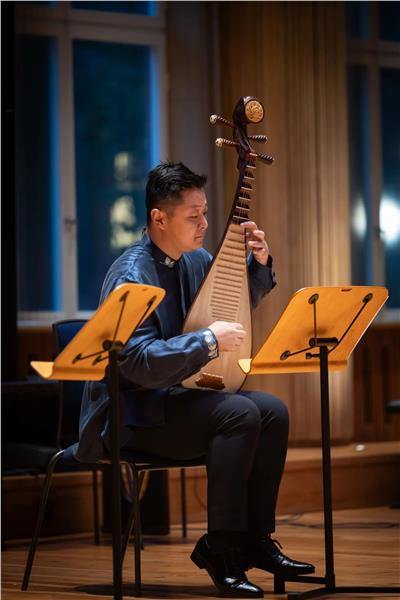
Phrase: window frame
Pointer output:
(375, 54)
(66, 24)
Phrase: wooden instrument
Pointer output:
(224, 293)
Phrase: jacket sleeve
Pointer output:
(151, 362)
(262, 279)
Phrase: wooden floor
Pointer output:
(367, 552)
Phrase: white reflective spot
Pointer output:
(389, 220)
(122, 220)
(359, 219)
(123, 166)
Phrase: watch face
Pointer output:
(211, 343)
(254, 111)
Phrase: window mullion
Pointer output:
(68, 222)
(159, 110)
(378, 266)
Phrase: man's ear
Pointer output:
(158, 217)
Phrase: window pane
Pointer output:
(390, 201)
(39, 286)
(138, 8)
(360, 200)
(48, 3)
(389, 21)
(114, 149)
(357, 19)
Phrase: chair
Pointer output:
(138, 464)
(67, 434)
(28, 450)
(393, 407)
(31, 414)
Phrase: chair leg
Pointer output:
(96, 524)
(129, 524)
(40, 517)
(183, 503)
(131, 518)
(137, 530)
(279, 585)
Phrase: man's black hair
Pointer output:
(165, 184)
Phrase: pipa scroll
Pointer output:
(224, 294)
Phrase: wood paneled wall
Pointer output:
(377, 382)
(193, 97)
(291, 55)
(33, 343)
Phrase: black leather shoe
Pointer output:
(266, 554)
(226, 569)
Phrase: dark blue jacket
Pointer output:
(151, 363)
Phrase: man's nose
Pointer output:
(204, 223)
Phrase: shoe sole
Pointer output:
(284, 572)
(199, 561)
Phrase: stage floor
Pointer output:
(367, 552)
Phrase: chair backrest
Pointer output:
(71, 391)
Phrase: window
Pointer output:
(114, 150)
(38, 181)
(374, 145)
(144, 7)
(90, 124)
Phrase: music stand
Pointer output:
(318, 331)
(97, 346)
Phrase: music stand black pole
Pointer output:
(326, 467)
(114, 417)
(356, 310)
(329, 578)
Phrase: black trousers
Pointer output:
(243, 437)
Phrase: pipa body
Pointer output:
(224, 294)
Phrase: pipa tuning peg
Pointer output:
(265, 158)
(224, 142)
(217, 119)
(258, 138)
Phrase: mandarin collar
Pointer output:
(161, 257)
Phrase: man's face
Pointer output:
(185, 225)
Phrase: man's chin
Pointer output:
(195, 245)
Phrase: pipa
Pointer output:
(224, 293)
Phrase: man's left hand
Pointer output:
(256, 242)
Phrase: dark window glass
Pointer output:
(389, 21)
(390, 200)
(360, 200)
(49, 3)
(138, 8)
(357, 23)
(114, 105)
(39, 286)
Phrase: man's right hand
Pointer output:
(229, 335)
